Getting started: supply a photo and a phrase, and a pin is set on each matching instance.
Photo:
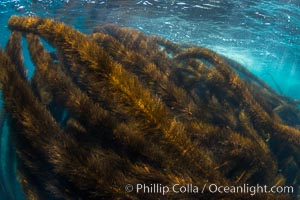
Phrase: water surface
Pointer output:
(262, 35)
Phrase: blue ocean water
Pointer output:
(262, 35)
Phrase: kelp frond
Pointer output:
(119, 107)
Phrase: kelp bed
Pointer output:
(119, 107)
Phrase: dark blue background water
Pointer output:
(263, 35)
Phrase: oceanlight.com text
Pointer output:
(211, 188)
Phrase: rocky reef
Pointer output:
(120, 107)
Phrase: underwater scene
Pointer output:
(157, 99)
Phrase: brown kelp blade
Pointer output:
(116, 85)
(119, 107)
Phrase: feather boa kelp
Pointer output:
(119, 107)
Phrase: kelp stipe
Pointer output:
(140, 109)
(10, 186)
